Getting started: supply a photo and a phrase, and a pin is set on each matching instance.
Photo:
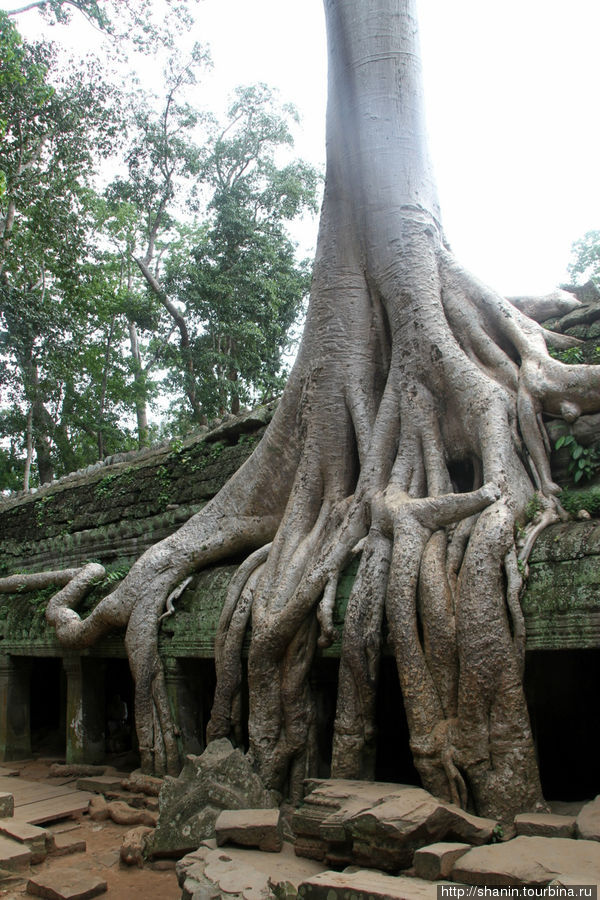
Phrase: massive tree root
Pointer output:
(411, 433)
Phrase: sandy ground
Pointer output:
(103, 840)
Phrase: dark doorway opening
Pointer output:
(564, 706)
(393, 761)
(119, 726)
(47, 706)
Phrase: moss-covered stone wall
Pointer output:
(113, 513)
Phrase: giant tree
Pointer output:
(411, 432)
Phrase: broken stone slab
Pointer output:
(529, 860)
(239, 873)
(545, 825)
(7, 805)
(378, 825)
(14, 856)
(588, 821)
(100, 784)
(221, 778)
(66, 884)
(77, 770)
(65, 844)
(363, 884)
(250, 828)
(437, 860)
(36, 839)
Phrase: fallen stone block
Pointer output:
(77, 770)
(34, 838)
(363, 884)
(437, 860)
(7, 805)
(588, 821)
(14, 856)
(211, 871)
(250, 828)
(65, 844)
(133, 846)
(66, 884)
(378, 825)
(221, 778)
(529, 860)
(545, 825)
(100, 784)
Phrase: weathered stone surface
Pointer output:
(133, 846)
(530, 860)
(100, 784)
(222, 778)
(66, 884)
(7, 805)
(241, 874)
(437, 860)
(13, 855)
(377, 824)
(545, 825)
(33, 837)
(65, 844)
(365, 884)
(78, 770)
(250, 828)
(588, 821)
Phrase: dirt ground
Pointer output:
(103, 840)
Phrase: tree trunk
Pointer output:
(410, 433)
(141, 409)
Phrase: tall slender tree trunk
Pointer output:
(141, 407)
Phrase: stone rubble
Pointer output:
(588, 821)
(530, 860)
(378, 825)
(221, 778)
(250, 828)
(437, 860)
(545, 825)
(66, 884)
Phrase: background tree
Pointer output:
(228, 280)
(51, 313)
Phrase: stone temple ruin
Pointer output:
(80, 704)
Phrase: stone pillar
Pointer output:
(183, 708)
(15, 716)
(86, 714)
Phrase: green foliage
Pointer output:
(571, 356)
(532, 508)
(134, 22)
(101, 296)
(238, 277)
(587, 499)
(584, 462)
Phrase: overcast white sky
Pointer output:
(512, 103)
